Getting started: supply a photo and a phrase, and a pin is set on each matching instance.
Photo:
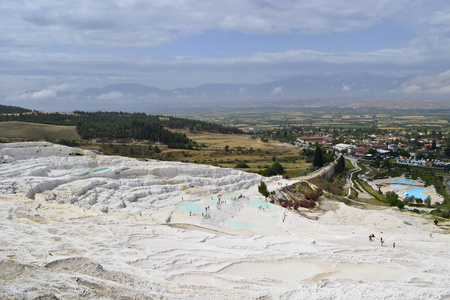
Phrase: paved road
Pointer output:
(361, 194)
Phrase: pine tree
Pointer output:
(340, 166)
(318, 158)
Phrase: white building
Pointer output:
(345, 147)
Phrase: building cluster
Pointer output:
(420, 151)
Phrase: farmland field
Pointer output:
(330, 118)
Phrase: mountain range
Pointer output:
(301, 90)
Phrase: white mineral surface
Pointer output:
(78, 225)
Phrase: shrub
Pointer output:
(262, 188)
(400, 204)
(392, 201)
(445, 214)
(308, 203)
(242, 166)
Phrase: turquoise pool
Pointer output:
(237, 225)
(102, 170)
(256, 202)
(416, 192)
(405, 181)
(422, 209)
(397, 186)
(190, 207)
(228, 197)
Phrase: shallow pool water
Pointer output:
(416, 192)
(228, 197)
(397, 186)
(80, 173)
(422, 209)
(256, 202)
(102, 170)
(237, 224)
(190, 207)
(405, 181)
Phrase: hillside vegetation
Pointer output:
(31, 131)
(119, 125)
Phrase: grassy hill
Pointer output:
(13, 131)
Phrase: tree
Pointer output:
(262, 188)
(428, 201)
(392, 201)
(391, 194)
(447, 152)
(340, 166)
(318, 158)
(372, 151)
(227, 148)
(277, 168)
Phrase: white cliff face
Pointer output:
(77, 225)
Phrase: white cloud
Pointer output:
(110, 95)
(62, 37)
(43, 94)
(434, 84)
(345, 88)
(50, 92)
(277, 90)
(145, 23)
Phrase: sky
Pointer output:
(53, 46)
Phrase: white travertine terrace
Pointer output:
(79, 225)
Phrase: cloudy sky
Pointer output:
(52, 46)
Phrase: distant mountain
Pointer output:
(301, 87)
(134, 97)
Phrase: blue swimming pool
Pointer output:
(397, 186)
(190, 207)
(405, 181)
(237, 224)
(416, 192)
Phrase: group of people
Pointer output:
(372, 237)
(263, 208)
